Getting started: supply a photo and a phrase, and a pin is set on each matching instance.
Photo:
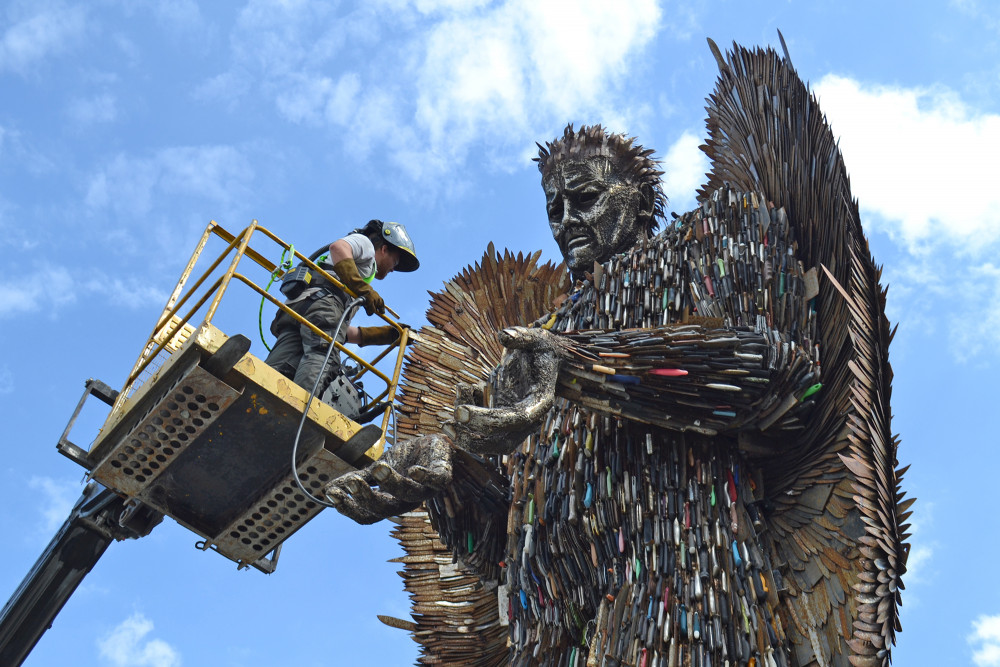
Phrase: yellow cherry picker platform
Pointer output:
(204, 432)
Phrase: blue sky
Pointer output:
(126, 126)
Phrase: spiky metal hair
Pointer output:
(634, 163)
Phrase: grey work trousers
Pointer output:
(298, 352)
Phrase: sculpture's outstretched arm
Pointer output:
(681, 377)
(691, 378)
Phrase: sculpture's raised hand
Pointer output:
(525, 390)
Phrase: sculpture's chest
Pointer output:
(731, 262)
(666, 521)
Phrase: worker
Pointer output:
(370, 252)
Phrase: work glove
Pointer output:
(384, 335)
(347, 271)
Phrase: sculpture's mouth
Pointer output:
(575, 239)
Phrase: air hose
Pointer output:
(312, 394)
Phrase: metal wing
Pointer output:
(839, 514)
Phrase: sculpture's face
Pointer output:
(593, 212)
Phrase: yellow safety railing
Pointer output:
(175, 323)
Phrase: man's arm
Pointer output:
(339, 251)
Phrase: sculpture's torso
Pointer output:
(633, 544)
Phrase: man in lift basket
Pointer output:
(370, 252)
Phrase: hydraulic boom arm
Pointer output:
(98, 518)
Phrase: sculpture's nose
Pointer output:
(569, 214)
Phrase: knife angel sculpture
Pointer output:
(679, 454)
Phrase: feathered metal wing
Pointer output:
(839, 512)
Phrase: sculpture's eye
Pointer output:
(587, 198)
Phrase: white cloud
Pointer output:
(937, 296)
(149, 205)
(180, 19)
(131, 52)
(100, 108)
(917, 562)
(131, 293)
(922, 165)
(127, 645)
(445, 74)
(921, 549)
(277, 36)
(986, 638)
(18, 152)
(978, 333)
(6, 380)
(304, 99)
(129, 186)
(920, 159)
(685, 21)
(58, 498)
(684, 166)
(61, 288)
(523, 65)
(14, 299)
(14, 235)
(433, 6)
(984, 13)
(227, 87)
(49, 31)
(19, 296)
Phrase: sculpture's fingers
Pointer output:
(499, 430)
(367, 506)
(522, 415)
(362, 514)
(468, 393)
(346, 505)
(352, 482)
(434, 477)
(399, 486)
(428, 455)
(434, 468)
